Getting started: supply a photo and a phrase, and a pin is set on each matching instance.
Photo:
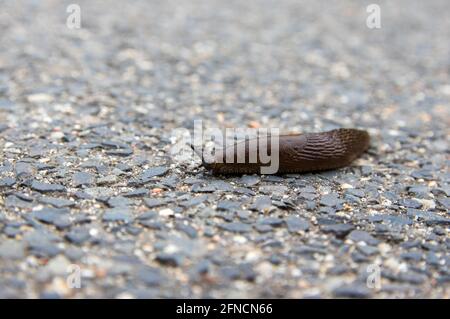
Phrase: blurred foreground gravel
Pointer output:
(87, 178)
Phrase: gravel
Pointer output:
(88, 179)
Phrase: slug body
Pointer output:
(298, 153)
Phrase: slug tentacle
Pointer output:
(202, 158)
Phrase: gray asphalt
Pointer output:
(93, 204)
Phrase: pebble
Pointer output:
(82, 178)
(47, 188)
(56, 202)
(339, 230)
(362, 236)
(58, 266)
(11, 249)
(228, 205)
(249, 180)
(7, 182)
(107, 180)
(174, 260)
(150, 276)
(331, 200)
(148, 174)
(236, 227)
(296, 224)
(78, 235)
(352, 291)
(118, 215)
(262, 204)
(49, 215)
(187, 229)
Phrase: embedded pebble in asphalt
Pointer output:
(88, 179)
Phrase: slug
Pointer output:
(298, 153)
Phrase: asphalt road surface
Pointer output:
(93, 203)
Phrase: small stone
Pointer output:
(445, 202)
(23, 169)
(360, 235)
(124, 167)
(199, 188)
(271, 221)
(263, 203)
(148, 215)
(39, 98)
(413, 255)
(74, 253)
(11, 231)
(296, 224)
(439, 231)
(170, 181)
(249, 180)
(331, 200)
(57, 135)
(355, 192)
(352, 291)
(274, 190)
(42, 244)
(263, 228)
(46, 188)
(236, 227)
(140, 192)
(82, 178)
(187, 229)
(118, 215)
(410, 203)
(220, 185)
(120, 152)
(14, 201)
(367, 250)
(58, 265)
(429, 217)
(150, 276)
(307, 196)
(228, 205)
(62, 222)
(148, 174)
(11, 249)
(167, 212)
(155, 202)
(422, 173)
(7, 182)
(107, 180)
(308, 250)
(366, 170)
(173, 260)
(339, 230)
(152, 224)
(119, 201)
(194, 201)
(418, 190)
(408, 277)
(432, 259)
(78, 235)
(49, 215)
(391, 219)
(56, 202)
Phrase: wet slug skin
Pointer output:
(295, 153)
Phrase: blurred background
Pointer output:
(293, 64)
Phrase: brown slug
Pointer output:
(297, 153)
